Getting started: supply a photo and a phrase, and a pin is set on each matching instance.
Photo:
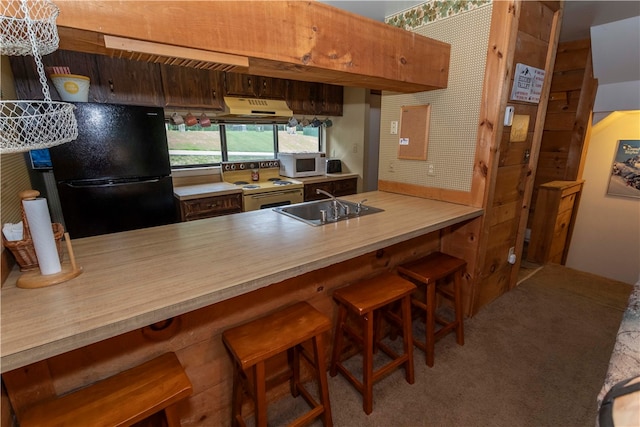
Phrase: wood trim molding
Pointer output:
(91, 42)
(443, 194)
(130, 45)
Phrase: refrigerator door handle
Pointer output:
(113, 183)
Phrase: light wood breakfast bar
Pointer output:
(178, 287)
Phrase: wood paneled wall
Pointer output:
(530, 31)
(564, 140)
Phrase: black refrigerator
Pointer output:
(116, 176)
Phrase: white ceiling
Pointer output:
(615, 38)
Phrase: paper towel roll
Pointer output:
(41, 230)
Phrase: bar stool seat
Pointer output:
(251, 344)
(121, 400)
(366, 301)
(429, 272)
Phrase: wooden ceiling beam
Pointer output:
(298, 40)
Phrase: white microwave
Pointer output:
(297, 165)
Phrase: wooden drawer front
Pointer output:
(560, 233)
(345, 187)
(566, 203)
(210, 206)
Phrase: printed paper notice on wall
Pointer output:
(414, 132)
(527, 84)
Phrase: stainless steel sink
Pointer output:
(322, 212)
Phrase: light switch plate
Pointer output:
(508, 115)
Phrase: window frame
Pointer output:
(224, 152)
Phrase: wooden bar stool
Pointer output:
(429, 271)
(121, 400)
(365, 300)
(253, 343)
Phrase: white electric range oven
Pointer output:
(261, 183)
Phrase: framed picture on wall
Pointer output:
(625, 171)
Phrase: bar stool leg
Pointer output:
(321, 371)
(172, 416)
(407, 338)
(457, 283)
(339, 340)
(430, 323)
(260, 394)
(236, 404)
(293, 356)
(367, 371)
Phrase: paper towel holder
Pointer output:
(33, 279)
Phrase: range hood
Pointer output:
(255, 108)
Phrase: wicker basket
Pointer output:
(24, 251)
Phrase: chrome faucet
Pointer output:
(335, 203)
(359, 206)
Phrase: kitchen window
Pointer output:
(196, 146)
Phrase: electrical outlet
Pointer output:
(431, 170)
(394, 127)
(354, 148)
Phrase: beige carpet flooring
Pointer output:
(536, 356)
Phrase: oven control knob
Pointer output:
(241, 165)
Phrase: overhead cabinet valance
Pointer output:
(296, 40)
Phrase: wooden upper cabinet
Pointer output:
(112, 80)
(332, 98)
(191, 87)
(124, 81)
(315, 98)
(27, 81)
(121, 81)
(251, 86)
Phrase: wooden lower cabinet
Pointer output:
(339, 188)
(553, 220)
(207, 207)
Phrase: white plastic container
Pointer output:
(72, 87)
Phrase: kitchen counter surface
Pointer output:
(136, 278)
(189, 192)
(326, 177)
